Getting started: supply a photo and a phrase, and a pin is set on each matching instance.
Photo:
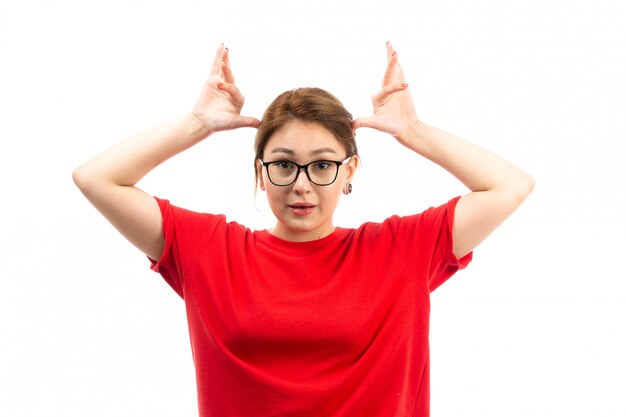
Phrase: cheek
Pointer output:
(275, 194)
(331, 195)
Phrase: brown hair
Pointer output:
(307, 104)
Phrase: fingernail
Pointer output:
(220, 84)
(405, 85)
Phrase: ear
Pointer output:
(352, 166)
(259, 172)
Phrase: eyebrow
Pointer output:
(315, 152)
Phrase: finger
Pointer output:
(216, 68)
(226, 69)
(245, 121)
(394, 72)
(229, 88)
(364, 122)
(389, 50)
(386, 91)
(233, 92)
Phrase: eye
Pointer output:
(321, 165)
(284, 165)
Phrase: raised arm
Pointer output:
(497, 186)
(108, 180)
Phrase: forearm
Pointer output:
(129, 161)
(477, 168)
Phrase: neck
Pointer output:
(301, 235)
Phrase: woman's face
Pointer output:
(304, 211)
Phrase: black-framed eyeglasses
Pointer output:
(285, 172)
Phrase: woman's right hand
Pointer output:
(220, 102)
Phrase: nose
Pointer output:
(302, 184)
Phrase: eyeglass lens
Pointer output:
(319, 172)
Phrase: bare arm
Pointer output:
(497, 186)
(108, 180)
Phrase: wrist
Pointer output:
(410, 133)
(196, 127)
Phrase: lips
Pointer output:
(302, 209)
(301, 205)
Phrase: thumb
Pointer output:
(244, 121)
(364, 122)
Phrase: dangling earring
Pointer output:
(347, 189)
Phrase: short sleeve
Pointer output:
(425, 241)
(187, 234)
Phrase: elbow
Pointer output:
(83, 179)
(529, 185)
(523, 187)
(78, 176)
(515, 189)
(90, 182)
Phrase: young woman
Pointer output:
(306, 319)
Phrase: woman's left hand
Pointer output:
(394, 112)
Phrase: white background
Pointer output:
(534, 327)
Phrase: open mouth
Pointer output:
(302, 209)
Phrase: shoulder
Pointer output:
(183, 213)
(423, 229)
(431, 216)
(196, 225)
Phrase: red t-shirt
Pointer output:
(331, 327)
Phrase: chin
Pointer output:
(304, 229)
